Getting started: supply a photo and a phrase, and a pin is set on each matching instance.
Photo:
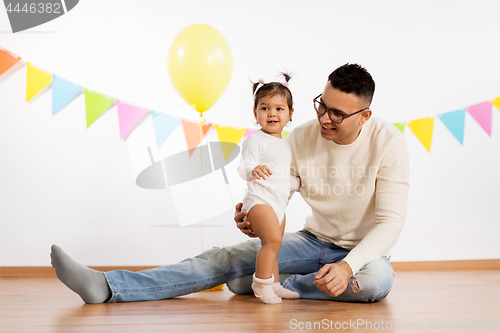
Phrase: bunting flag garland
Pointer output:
(95, 105)
(496, 102)
(7, 60)
(422, 128)
(63, 92)
(400, 126)
(455, 122)
(192, 134)
(482, 114)
(250, 131)
(229, 134)
(164, 125)
(128, 117)
(36, 80)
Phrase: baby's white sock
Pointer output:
(263, 290)
(283, 292)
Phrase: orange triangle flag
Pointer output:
(193, 134)
(423, 128)
(7, 60)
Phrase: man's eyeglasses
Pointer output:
(334, 115)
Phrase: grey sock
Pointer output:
(90, 284)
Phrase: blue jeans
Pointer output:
(301, 255)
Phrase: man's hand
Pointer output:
(244, 226)
(333, 278)
(261, 171)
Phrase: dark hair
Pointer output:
(273, 88)
(352, 78)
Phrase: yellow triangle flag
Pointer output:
(36, 80)
(229, 134)
(423, 128)
(496, 102)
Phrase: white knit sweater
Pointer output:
(358, 192)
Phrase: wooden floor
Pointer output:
(419, 302)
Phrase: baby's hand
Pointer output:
(261, 171)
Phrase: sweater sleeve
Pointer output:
(294, 184)
(250, 154)
(294, 173)
(391, 197)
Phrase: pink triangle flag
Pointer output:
(128, 117)
(482, 114)
(249, 132)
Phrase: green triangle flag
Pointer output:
(95, 105)
(285, 133)
(400, 126)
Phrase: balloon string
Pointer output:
(202, 121)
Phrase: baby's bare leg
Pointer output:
(276, 269)
(277, 287)
(266, 226)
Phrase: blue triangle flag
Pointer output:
(63, 92)
(455, 122)
(164, 125)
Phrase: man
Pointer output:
(354, 175)
(353, 172)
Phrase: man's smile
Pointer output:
(328, 127)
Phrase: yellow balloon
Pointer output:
(200, 64)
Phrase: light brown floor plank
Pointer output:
(418, 300)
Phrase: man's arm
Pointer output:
(391, 199)
(391, 193)
(333, 278)
(295, 181)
